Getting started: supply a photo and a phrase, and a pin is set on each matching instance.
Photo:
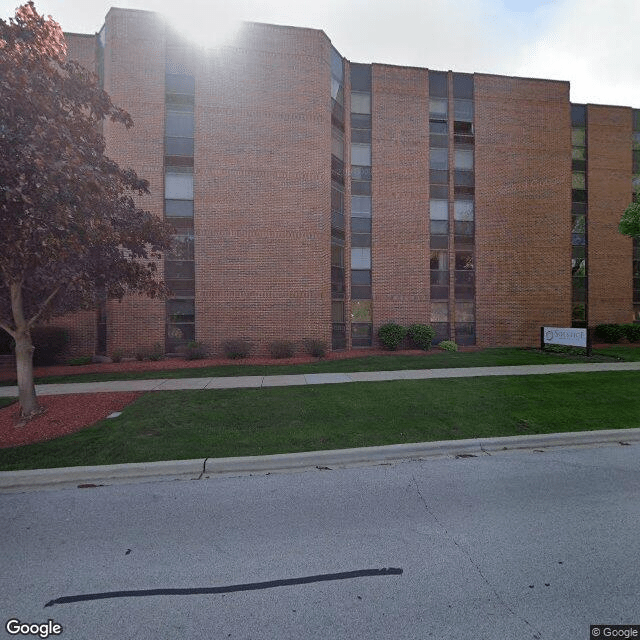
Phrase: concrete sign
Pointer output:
(567, 337)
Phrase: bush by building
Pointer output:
(422, 335)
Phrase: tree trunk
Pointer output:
(29, 406)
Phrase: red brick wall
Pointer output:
(400, 220)
(609, 191)
(523, 208)
(134, 68)
(81, 326)
(262, 188)
(82, 48)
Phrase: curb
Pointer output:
(65, 477)
(93, 476)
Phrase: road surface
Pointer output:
(514, 545)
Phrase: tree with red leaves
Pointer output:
(70, 228)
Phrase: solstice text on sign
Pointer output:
(568, 337)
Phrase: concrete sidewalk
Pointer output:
(246, 382)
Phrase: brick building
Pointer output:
(313, 197)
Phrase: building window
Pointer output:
(361, 154)
(361, 257)
(360, 102)
(463, 210)
(438, 108)
(439, 159)
(463, 160)
(180, 84)
(439, 209)
(361, 206)
(463, 110)
(178, 186)
(439, 260)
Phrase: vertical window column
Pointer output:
(361, 207)
(179, 262)
(463, 208)
(439, 203)
(579, 202)
(338, 333)
(636, 198)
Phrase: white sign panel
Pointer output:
(567, 337)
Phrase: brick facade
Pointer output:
(262, 191)
(609, 188)
(523, 205)
(400, 221)
(262, 188)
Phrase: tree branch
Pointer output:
(44, 305)
(8, 330)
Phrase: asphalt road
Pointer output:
(513, 545)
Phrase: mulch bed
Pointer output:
(63, 415)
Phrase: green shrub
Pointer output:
(632, 332)
(422, 335)
(315, 347)
(391, 335)
(609, 332)
(140, 355)
(282, 349)
(195, 351)
(448, 345)
(116, 356)
(80, 360)
(236, 349)
(49, 343)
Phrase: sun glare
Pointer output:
(205, 30)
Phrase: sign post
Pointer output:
(566, 337)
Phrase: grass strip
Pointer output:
(493, 357)
(175, 425)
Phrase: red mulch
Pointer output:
(64, 414)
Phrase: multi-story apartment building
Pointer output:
(313, 197)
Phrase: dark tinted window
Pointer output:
(178, 208)
(360, 225)
(361, 188)
(578, 115)
(439, 192)
(463, 85)
(360, 77)
(361, 120)
(438, 84)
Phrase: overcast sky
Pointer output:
(595, 44)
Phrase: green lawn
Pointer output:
(197, 424)
(435, 359)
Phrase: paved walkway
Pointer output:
(246, 382)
